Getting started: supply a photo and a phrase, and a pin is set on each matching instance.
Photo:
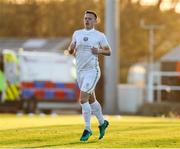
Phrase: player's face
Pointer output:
(89, 21)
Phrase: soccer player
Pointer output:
(86, 45)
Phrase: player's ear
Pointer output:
(95, 22)
(98, 20)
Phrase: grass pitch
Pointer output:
(64, 132)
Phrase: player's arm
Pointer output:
(104, 47)
(71, 48)
(106, 51)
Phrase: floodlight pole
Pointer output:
(149, 88)
(111, 64)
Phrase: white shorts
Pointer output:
(87, 79)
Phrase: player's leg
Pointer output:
(97, 111)
(86, 113)
(89, 80)
(86, 109)
(96, 108)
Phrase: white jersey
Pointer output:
(85, 40)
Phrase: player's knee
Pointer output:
(92, 99)
(84, 97)
(83, 101)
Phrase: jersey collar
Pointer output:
(88, 31)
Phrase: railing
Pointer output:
(159, 86)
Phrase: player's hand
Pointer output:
(95, 50)
(66, 52)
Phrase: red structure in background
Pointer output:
(178, 68)
(48, 90)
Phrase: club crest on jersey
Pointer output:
(85, 38)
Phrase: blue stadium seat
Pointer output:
(27, 93)
(70, 94)
(60, 85)
(49, 94)
(39, 84)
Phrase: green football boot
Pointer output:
(85, 136)
(102, 129)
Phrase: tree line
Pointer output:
(59, 18)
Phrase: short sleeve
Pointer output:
(74, 37)
(103, 41)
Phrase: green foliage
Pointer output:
(43, 19)
(58, 18)
(135, 40)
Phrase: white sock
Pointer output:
(86, 113)
(97, 111)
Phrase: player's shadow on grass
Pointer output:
(66, 144)
(80, 142)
